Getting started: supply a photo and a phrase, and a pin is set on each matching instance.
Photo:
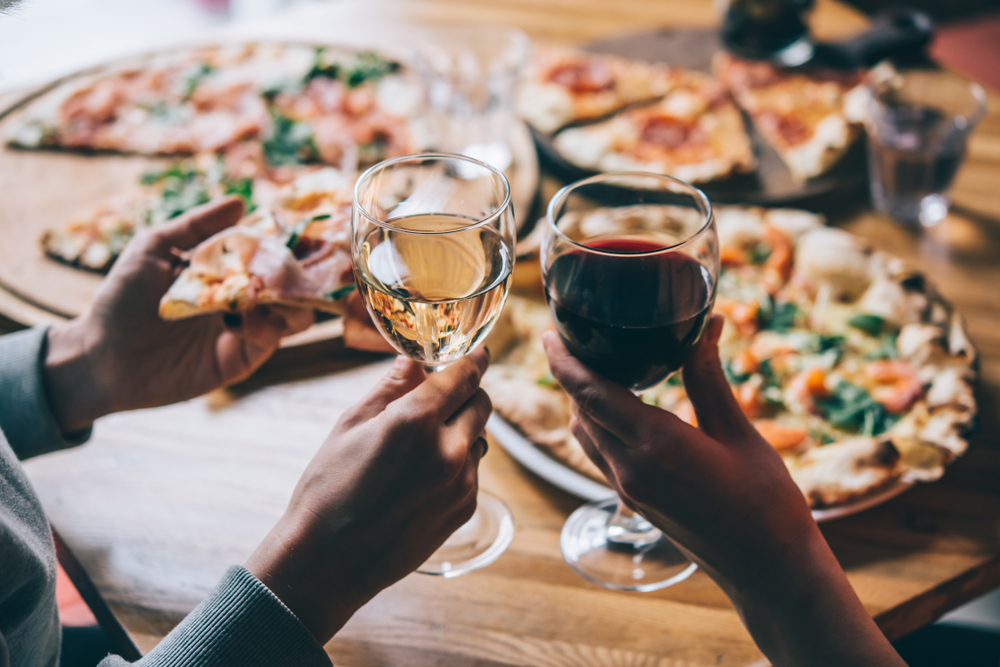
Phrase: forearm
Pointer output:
(805, 613)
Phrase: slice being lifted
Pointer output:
(695, 134)
(267, 259)
(810, 117)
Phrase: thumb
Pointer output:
(196, 225)
(719, 413)
(404, 376)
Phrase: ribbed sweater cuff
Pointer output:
(25, 415)
(241, 624)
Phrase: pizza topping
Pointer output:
(584, 76)
(781, 437)
(670, 132)
(852, 408)
(897, 384)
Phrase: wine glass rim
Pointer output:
(565, 191)
(387, 224)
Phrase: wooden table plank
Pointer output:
(162, 501)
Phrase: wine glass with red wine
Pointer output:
(630, 263)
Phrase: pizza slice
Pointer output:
(810, 117)
(302, 261)
(565, 86)
(349, 109)
(94, 238)
(695, 133)
(179, 103)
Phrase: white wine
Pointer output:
(436, 289)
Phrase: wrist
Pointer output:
(75, 396)
(293, 563)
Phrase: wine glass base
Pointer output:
(477, 543)
(622, 566)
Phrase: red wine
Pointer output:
(632, 317)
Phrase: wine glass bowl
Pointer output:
(433, 248)
(630, 264)
(432, 244)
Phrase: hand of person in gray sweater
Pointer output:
(722, 493)
(120, 355)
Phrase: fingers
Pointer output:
(405, 376)
(580, 432)
(445, 392)
(719, 414)
(469, 422)
(196, 225)
(359, 331)
(612, 406)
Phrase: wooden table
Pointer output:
(162, 501)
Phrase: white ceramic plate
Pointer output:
(562, 476)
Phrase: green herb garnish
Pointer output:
(193, 77)
(887, 349)
(352, 70)
(244, 188)
(759, 254)
(300, 228)
(783, 317)
(547, 381)
(290, 144)
(675, 380)
(870, 324)
(733, 376)
(340, 293)
(851, 407)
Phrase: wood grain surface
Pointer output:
(161, 501)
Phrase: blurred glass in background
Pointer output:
(919, 122)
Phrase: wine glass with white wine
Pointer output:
(432, 239)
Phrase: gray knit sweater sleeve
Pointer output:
(242, 623)
(25, 416)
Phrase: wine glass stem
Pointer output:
(628, 527)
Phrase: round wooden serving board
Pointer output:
(771, 184)
(43, 188)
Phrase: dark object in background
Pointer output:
(949, 646)
(776, 30)
(768, 30)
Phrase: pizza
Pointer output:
(846, 361)
(809, 116)
(565, 86)
(694, 133)
(93, 238)
(296, 252)
(245, 119)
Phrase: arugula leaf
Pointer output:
(870, 324)
(887, 349)
(353, 70)
(733, 376)
(851, 407)
(244, 188)
(341, 292)
(675, 380)
(290, 144)
(759, 254)
(300, 228)
(547, 381)
(193, 76)
(783, 317)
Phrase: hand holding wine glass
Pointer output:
(724, 494)
(630, 263)
(433, 248)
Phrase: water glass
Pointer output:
(918, 124)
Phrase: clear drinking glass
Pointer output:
(471, 73)
(918, 125)
(432, 239)
(630, 263)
